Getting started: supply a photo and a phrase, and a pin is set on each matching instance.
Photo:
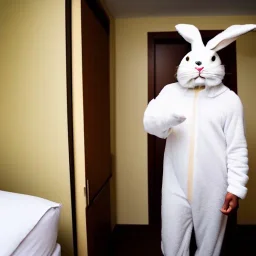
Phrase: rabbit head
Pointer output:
(202, 65)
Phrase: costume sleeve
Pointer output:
(237, 153)
(158, 116)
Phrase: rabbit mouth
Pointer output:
(200, 75)
(188, 77)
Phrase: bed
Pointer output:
(28, 225)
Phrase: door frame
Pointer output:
(68, 27)
(153, 39)
(100, 13)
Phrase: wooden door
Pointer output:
(165, 51)
(96, 96)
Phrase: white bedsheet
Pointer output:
(19, 215)
(41, 241)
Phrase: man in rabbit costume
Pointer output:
(205, 160)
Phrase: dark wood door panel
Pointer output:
(165, 61)
(98, 223)
(167, 58)
(96, 96)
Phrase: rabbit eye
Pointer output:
(187, 59)
(213, 58)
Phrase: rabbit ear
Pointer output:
(191, 34)
(228, 36)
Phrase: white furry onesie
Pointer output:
(205, 157)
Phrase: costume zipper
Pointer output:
(192, 146)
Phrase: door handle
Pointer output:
(87, 192)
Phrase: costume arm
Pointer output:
(158, 116)
(237, 153)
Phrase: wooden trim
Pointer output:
(100, 13)
(153, 39)
(68, 19)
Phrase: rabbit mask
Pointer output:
(202, 65)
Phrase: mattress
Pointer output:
(41, 241)
(29, 225)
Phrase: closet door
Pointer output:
(96, 95)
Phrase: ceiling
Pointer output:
(143, 8)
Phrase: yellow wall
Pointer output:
(33, 108)
(78, 123)
(131, 101)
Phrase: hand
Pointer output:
(230, 204)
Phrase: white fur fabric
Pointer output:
(220, 163)
(202, 65)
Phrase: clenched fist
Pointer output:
(230, 204)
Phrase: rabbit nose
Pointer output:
(198, 63)
(200, 69)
